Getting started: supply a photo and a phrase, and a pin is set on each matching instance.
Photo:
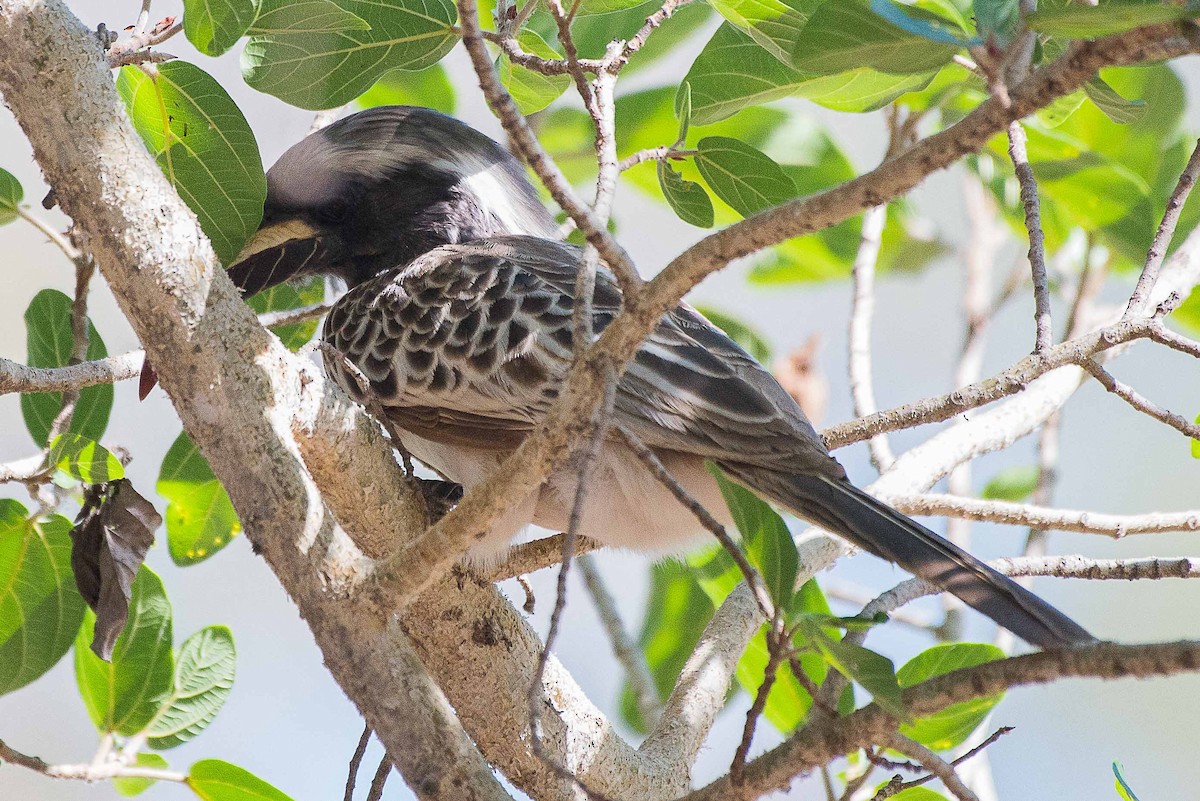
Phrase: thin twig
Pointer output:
(1018, 152)
(543, 66)
(931, 762)
(518, 130)
(1006, 382)
(664, 477)
(293, 316)
(356, 761)
(1164, 234)
(1033, 516)
(638, 40)
(1140, 402)
(1068, 567)
(85, 268)
(893, 787)
(380, 779)
(862, 309)
(637, 672)
(140, 41)
(101, 769)
(738, 767)
(654, 154)
(859, 598)
(56, 238)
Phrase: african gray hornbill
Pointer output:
(459, 314)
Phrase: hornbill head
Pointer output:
(375, 190)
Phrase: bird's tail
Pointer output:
(840, 507)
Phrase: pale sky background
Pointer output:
(288, 722)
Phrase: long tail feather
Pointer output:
(837, 505)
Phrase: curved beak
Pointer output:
(277, 252)
(280, 251)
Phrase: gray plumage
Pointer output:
(466, 344)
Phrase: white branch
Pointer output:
(1040, 517)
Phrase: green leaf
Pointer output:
(589, 7)
(214, 26)
(768, 543)
(776, 25)
(204, 146)
(828, 254)
(1115, 107)
(683, 110)
(11, 194)
(531, 90)
(281, 17)
(846, 35)
(214, 780)
(918, 794)
(84, 459)
(1123, 788)
(1013, 484)
(676, 614)
(40, 609)
(123, 696)
(715, 572)
(1094, 191)
(733, 72)
(1079, 21)
(954, 724)
(318, 67)
(739, 332)
(429, 87)
(1196, 443)
(49, 342)
(688, 199)
(204, 671)
(130, 787)
(997, 20)
(200, 518)
(1061, 109)
(291, 295)
(742, 176)
(873, 671)
(861, 89)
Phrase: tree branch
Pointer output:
(630, 657)
(1040, 517)
(1017, 152)
(862, 309)
(87, 771)
(815, 745)
(1164, 234)
(15, 377)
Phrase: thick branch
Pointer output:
(818, 744)
(234, 385)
